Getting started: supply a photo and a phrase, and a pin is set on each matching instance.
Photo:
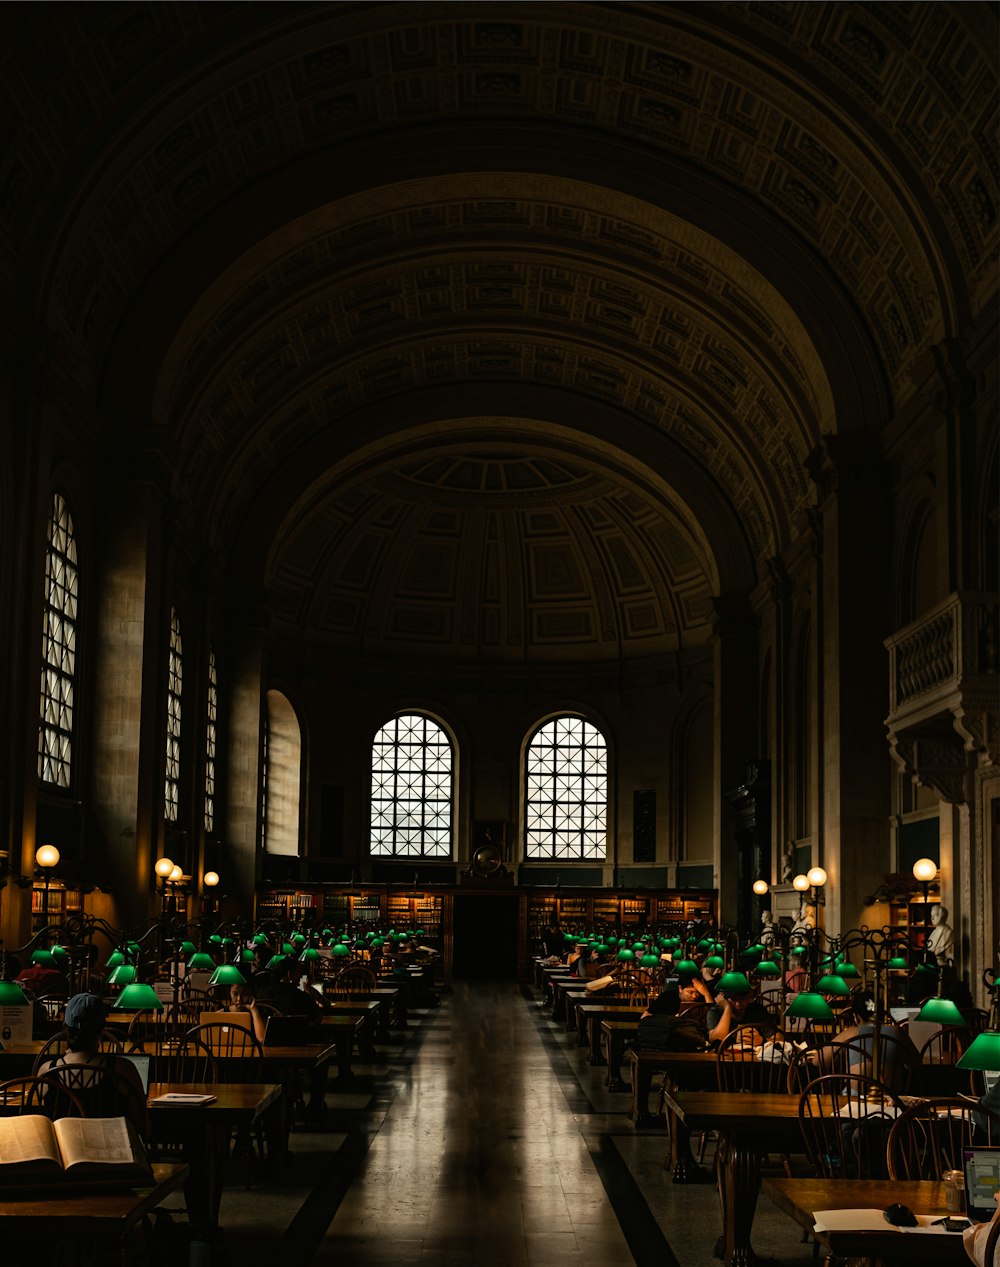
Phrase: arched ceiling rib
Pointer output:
(474, 554)
(869, 130)
(505, 285)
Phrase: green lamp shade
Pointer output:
(115, 960)
(799, 950)
(767, 968)
(44, 959)
(810, 1007)
(133, 947)
(639, 947)
(187, 948)
(11, 994)
(247, 955)
(847, 970)
(898, 963)
(309, 955)
(287, 948)
(260, 939)
(925, 970)
(733, 983)
(138, 997)
(227, 974)
(833, 983)
(941, 1012)
(649, 961)
(705, 943)
(274, 962)
(299, 939)
(624, 956)
(200, 959)
(124, 974)
(340, 950)
(715, 961)
(60, 952)
(686, 966)
(215, 940)
(983, 1052)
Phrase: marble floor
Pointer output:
(483, 1137)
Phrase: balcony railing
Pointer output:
(948, 648)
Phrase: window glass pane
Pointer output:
(211, 739)
(566, 784)
(55, 730)
(412, 776)
(172, 783)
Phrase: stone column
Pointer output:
(129, 680)
(853, 579)
(735, 717)
(242, 702)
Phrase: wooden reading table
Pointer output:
(81, 1212)
(202, 1132)
(801, 1198)
(749, 1124)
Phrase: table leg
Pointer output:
(616, 1045)
(682, 1162)
(739, 1184)
(594, 1041)
(642, 1079)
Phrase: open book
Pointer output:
(97, 1149)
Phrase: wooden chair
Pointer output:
(845, 1121)
(931, 1136)
(46, 1096)
(697, 1014)
(938, 1057)
(239, 1056)
(58, 1045)
(53, 1004)
(103, 1092)
(181, 1059)
(354, 980)
(741, 1066)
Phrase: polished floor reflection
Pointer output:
(483, 1137)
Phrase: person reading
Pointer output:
(35, 1150)
(735, 1007)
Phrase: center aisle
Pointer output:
(480, 1159)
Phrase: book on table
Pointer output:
(35, 1150)
(193, 1098)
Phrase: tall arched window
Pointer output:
(281, 776)
(211, 741)
(412, 777)
(566, 781)
(172, 781)
(55, 726)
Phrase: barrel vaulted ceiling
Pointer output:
(292, 245)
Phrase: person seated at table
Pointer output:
(975, 1237)
(241, 999)
(119, 1095)
(693, 989)
(577, 960)
(662, 1028)
(284, 993)
(735, 1007)
(39, 979)
(896, 1050)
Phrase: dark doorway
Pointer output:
(485, 937)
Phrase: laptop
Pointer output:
(142, 1068)
(982, 1182)
(289, 1031)
(240, 1020)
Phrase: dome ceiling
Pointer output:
(493, 556)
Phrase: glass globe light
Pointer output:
(211, 879)
(760, 887)
(163, 867)
(47, 856)
(816, 877)
(800, 883)
(925, 869)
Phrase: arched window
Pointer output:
(412, 777)
(55, 726)
(172, 782)
(211, 741)
(281, 776)
(566, 780)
